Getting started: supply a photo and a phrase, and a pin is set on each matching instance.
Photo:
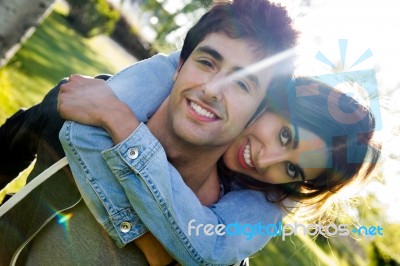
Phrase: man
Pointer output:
(180, 123)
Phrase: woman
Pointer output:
(318, 117)
(336, 151)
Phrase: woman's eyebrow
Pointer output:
(295, 137)
(301, 172)
(294, 146)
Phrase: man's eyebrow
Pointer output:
(294, 146)
(238, 70)
(252, 77)
(211, 51)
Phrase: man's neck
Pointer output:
(196, 164)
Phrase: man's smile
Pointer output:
(202, 112)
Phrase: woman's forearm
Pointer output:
(176, 217)
(164, 202)
(91, 101)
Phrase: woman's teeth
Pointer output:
(247, 155)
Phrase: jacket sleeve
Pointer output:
(83, 144)
(149, 186)
(172, 212)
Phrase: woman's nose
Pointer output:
(271, 157)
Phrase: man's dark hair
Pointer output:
(265, 24)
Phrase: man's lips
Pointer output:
(201, 112)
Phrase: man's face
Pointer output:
(208, 104)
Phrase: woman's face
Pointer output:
(274, 151)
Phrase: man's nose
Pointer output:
(214, 88)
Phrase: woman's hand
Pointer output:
(86, 100)
(92, 102)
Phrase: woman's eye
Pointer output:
(291, 170)
(285, 136)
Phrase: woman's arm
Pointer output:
(172, 212)
(160, 198)
(74, 103)
(112, 205)
(104, 197)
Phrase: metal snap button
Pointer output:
(133, 153)
(125, 227)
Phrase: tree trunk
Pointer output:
(130, 41)
(18, 20)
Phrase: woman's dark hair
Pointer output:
(346, 126)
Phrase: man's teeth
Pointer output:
(201, 111)
(247, 155)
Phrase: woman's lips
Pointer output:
(244, 156)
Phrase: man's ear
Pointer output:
(260, 110)
(178, 68)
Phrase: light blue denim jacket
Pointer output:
(131, 186)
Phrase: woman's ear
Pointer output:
(178, 68)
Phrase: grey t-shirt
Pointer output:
(79, 240)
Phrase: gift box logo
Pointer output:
(359, 84)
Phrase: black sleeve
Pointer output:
(21, 133)
(30, 132)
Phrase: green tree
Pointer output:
(92, 17)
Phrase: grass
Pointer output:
(54, 51)
(304, 250)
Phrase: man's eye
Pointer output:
(206, 63)
(291, 170)
(243, 85)
(285, 136)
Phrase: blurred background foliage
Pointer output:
(92, 17)
(72, 40)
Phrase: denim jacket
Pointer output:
(131, 186)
